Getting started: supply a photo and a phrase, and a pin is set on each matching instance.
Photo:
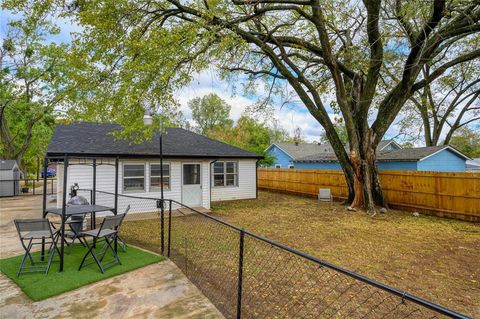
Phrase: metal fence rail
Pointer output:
(248, 276)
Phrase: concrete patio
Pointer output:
(156, 291)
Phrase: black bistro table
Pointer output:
(72, 211)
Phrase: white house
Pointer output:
(196, 169)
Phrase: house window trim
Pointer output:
(291, 166)
(150, 177)
(144, 178)
(237, 173)
(278, 166)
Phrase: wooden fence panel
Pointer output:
(455, 195)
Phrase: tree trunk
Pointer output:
(367, 188)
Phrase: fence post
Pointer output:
(169, 227)
(240, 276)
(162, 227)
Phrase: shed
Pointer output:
(9, 178)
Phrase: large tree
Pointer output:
(210, 112)
(441, 108)
(369, 54)
(30, 89)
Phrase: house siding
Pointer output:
(443, 161)
(83, 175)
(401, 166)
(281, 158)
(247, 183)
(318, 165)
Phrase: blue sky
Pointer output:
(289, 116)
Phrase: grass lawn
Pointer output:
(434, 258)
(39, 286)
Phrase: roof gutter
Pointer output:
(210, 179)
(256, 178)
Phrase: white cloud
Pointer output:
(288, 117)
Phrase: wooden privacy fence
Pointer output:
(455, 195)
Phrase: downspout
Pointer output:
(210, 177)
(256, 179)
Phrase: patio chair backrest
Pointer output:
(112, 222)
(27, 225)
(77, 225)
(324, 194)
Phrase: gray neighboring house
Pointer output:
(473, 165)
(9, 178)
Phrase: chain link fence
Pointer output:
(24, 186)
(248, 276)
(142, 225)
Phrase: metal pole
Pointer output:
(169, 227)
(93, 199)
(45, 165)
(240, 275)
(44, 203)
(116, 196)
(162, 208)
(34, 186)
(64, 207)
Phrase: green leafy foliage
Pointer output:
(31, 88)
(210, 112)
(249, 135)
(467, 141)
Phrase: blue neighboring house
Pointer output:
(390, 156)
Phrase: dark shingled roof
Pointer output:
(6, 165)
(95, 139)
(401, 155)
(319, 157)
(410, 154)
(301, 151)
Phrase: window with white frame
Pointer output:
(134, 177)
(225, 174)
(155, 177)
(278, 166)
(291, 166)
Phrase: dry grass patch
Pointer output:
(434, 258)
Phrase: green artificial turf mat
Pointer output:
(39, 286)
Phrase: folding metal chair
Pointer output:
(32, 232)
(120, 242)
(107, 231)
(75, 223)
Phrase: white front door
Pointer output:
(191, 184)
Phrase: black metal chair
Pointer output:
(33, 232)
(108, 232)
(75, 224)
(120, 242)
